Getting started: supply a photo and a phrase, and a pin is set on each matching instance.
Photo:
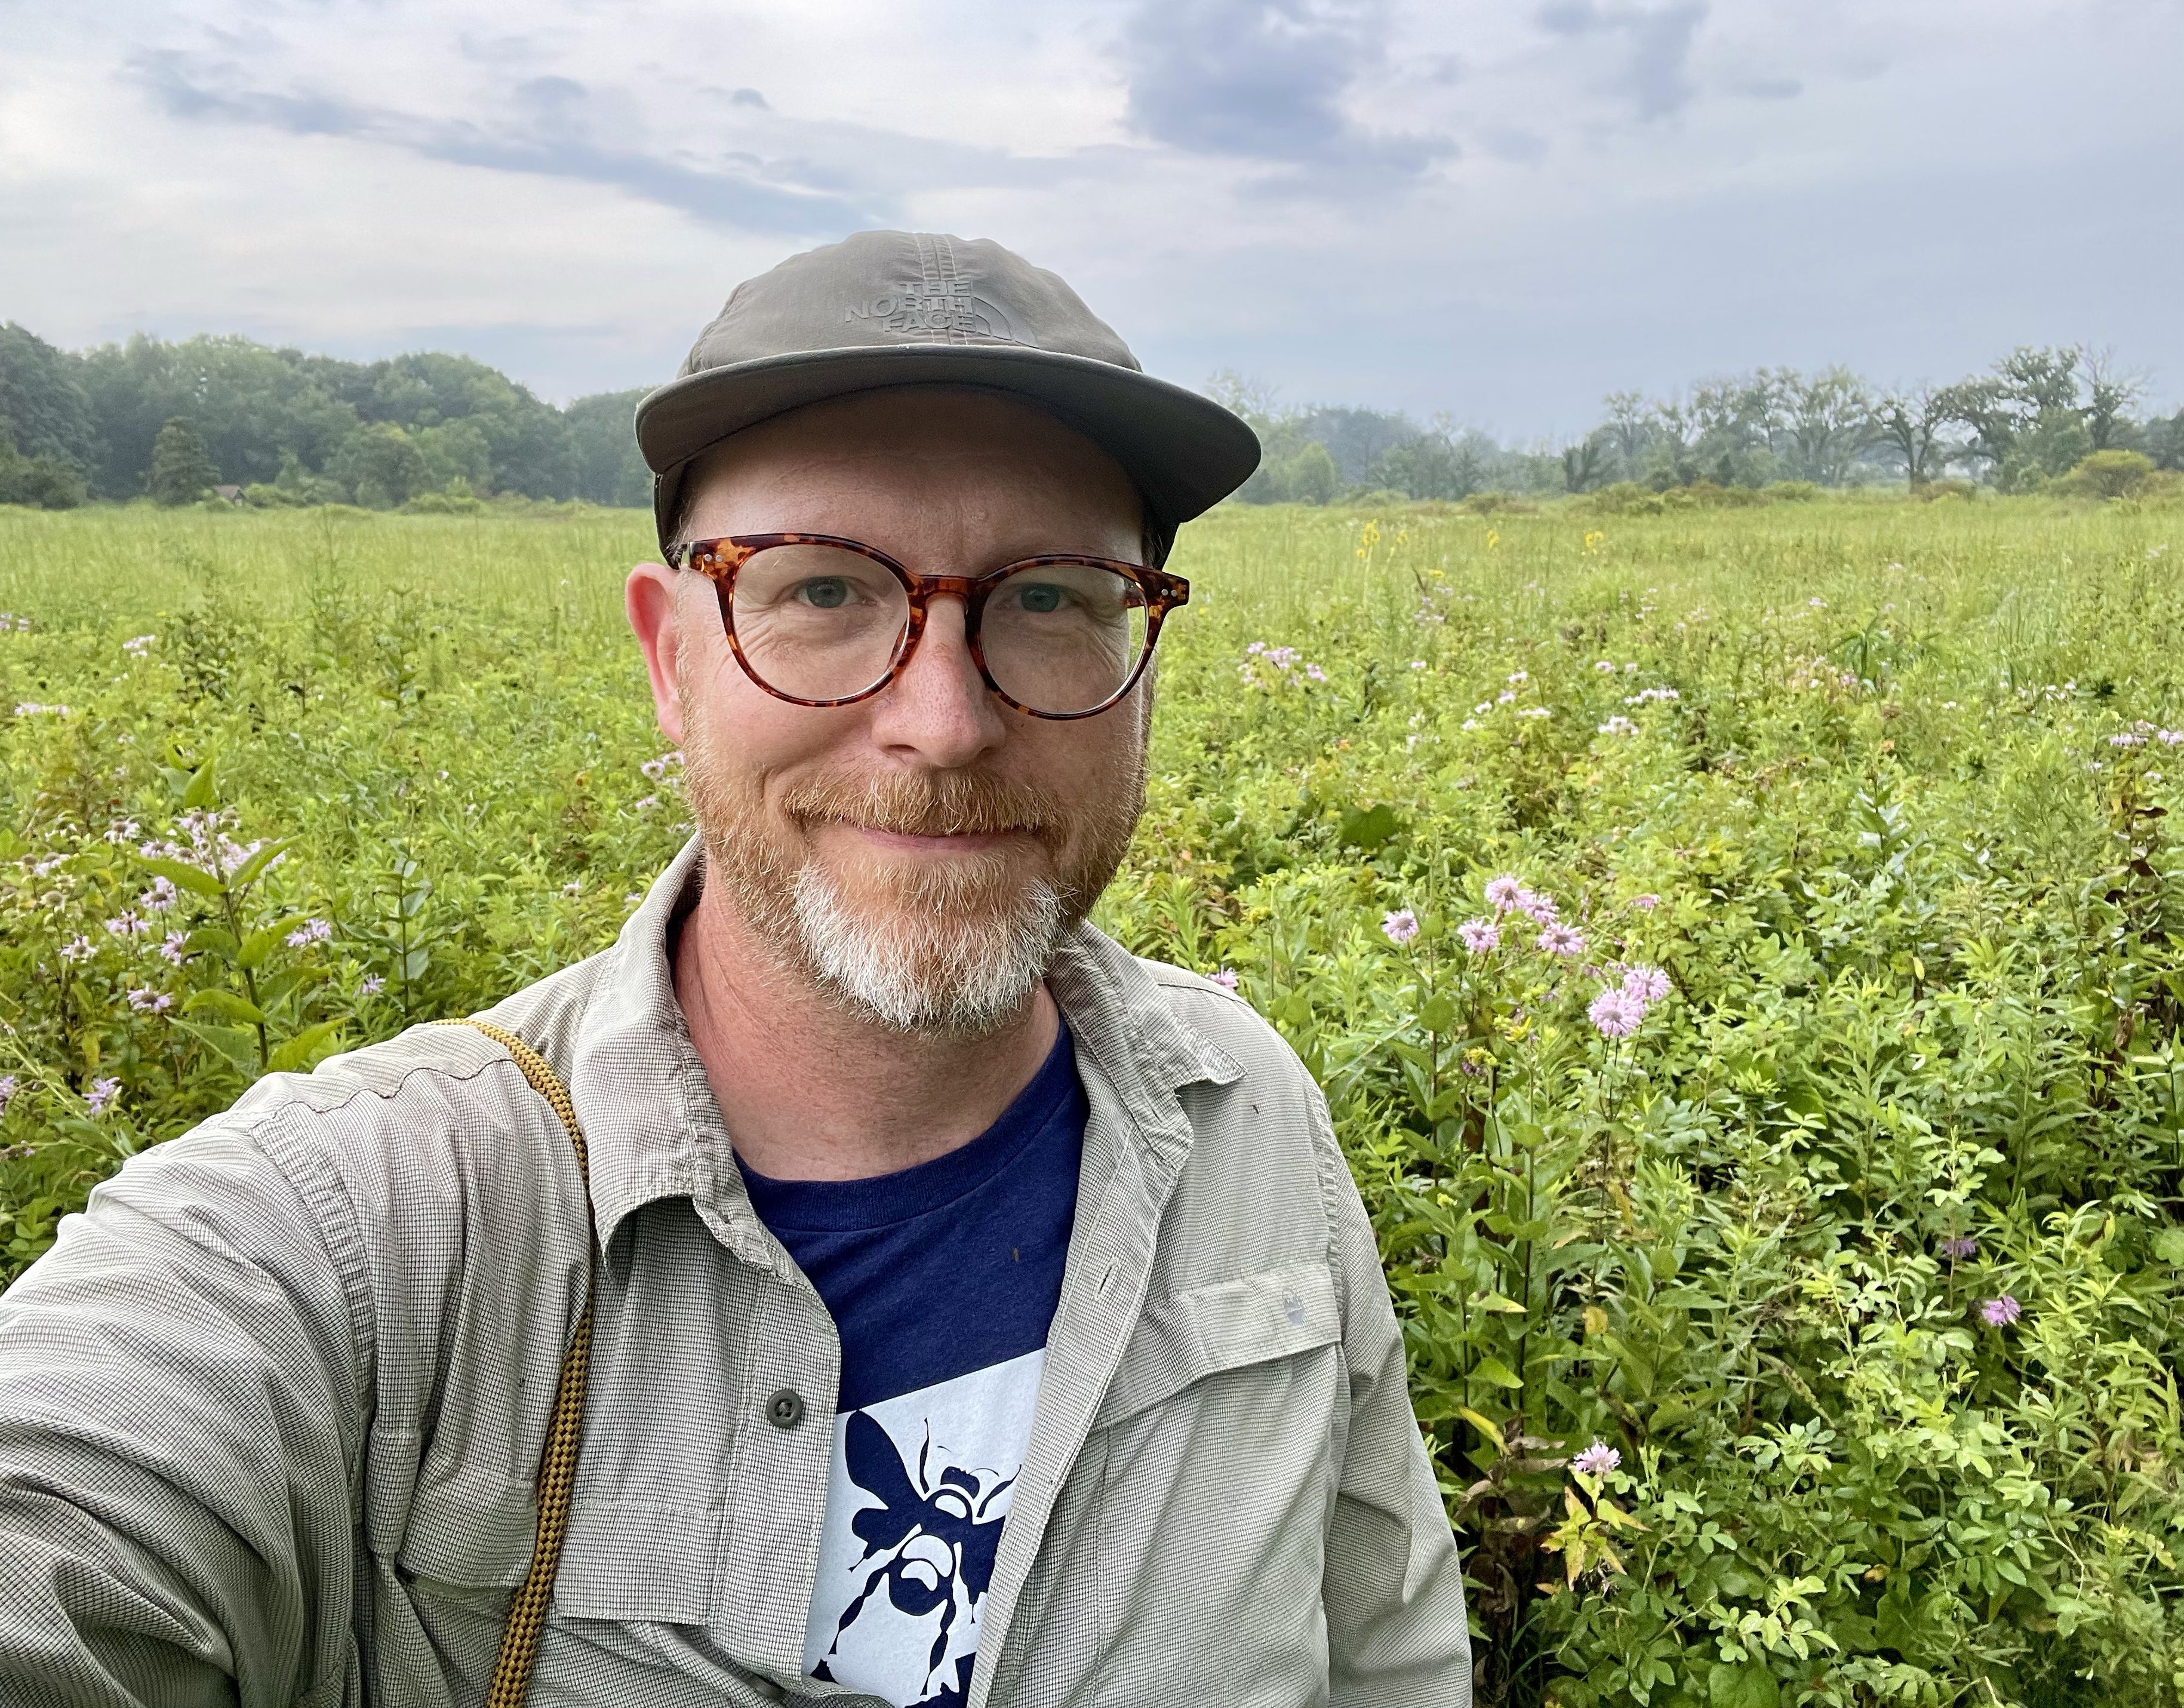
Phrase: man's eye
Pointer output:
(827, 593)
(1039, 598)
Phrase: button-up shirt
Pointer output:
(271, 1410)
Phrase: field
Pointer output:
(1779, 1173)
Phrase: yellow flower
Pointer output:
(1493, 538)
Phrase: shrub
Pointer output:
(2106, 474)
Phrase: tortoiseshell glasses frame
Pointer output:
(720, 561)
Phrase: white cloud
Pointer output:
(1503, 211)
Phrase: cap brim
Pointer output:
(1185, 452)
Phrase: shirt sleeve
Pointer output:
(1398, 1635)
(179, 1397)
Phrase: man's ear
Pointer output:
(650, 598)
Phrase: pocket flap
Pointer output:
(1226, 1325)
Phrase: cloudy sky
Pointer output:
(1498, 210)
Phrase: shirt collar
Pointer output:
(655, 1131)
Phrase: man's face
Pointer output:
(916, 855)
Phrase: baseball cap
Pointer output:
(918, 308)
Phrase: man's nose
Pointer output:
(940, 708)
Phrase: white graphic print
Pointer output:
(918, 1490)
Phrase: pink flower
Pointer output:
(372, 985)
(1597, 1460)
(1501, 893)
(310, 932)
(150, 1002)
(1617, 1013)
(1646, 984)
(1480, 936)
(171, 950)
(102, 1092)
(1540, 909)
(1226, 978)
(2000, 1313)
(1645, 904)
(1402, 926)
(1958, 1247)
(1561, 940)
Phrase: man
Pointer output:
(973, 1313)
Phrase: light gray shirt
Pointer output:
(271, 1410)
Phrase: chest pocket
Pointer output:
(1189, 1336)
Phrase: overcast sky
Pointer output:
(1498, 210)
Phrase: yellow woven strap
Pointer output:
(557, 1465)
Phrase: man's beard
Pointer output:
(954, 946)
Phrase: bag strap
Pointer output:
(557, 1464)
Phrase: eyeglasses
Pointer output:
(820, 621)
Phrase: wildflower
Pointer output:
(2000, 1313)
(1957, 1247)
(101, 1093)
(1517, 677)
(647, 804)
(77, 948)
(138, 646)
(1480, 936)
(1226, 978)
(128, 923)
(1618, 725)
(1561, 940)
(1540, 909)
(1818, 604)
(171, 950)
(1417, 664)
(1473, 723)
(2169, 737)
(1535, 711)
(1648, 984)
(575, 886)
(1615, 1012)
(1606, 666)
(1281, 657)
(310, 932)
(1315, 672)
(160, 897)
(1501, 893)
(32, 708)
(2126, 740)
(161, 851)
(1255, 649)
(150, 1002)
(1400, 926)
(372, 985)
(1505, 696)
(1597, 1460)
(8, 1087)
(121, 831)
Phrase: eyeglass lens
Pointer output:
(817, 622)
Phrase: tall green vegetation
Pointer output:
(1743, 951)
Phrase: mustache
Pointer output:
(930, 803)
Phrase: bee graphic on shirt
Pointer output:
(928, 1546)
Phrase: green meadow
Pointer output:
(1743, 950)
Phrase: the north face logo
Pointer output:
(947, 305)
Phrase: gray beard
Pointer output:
(935, 967)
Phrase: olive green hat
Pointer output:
(915, 308)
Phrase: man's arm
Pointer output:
(178, 1403)
(1396, 1631)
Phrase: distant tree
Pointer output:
(2105, 474)
(2025, 417)
(380, 466)
(43, 401)
(603, 440)
(2163, 440)
(182, 470)
(44, 482)
(1829, 423)
(1433, 465)
(1586, 464)
(1356, 438)
(1911, 424)
(1628, 426)
(457, 456)
(2110, 396)
(1309, 476)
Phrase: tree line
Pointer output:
(173, 421)
(2034, 417)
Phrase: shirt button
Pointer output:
(785, 1410)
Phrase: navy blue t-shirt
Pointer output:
(943, 1280)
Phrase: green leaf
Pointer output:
(193, 878)
(199, 792)
(238, 1045)
(210, 940)
(2168, 1246)
(1371, 828)
(415, 963)
(259, 944)
(299, 1052)
(1748, 1686)
(255, 867)
(228, 1006)
(1493, 1370)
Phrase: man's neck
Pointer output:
(812, 1091)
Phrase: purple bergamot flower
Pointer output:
(2000, 1313)
(1480, 936)
(1402, 926)
(1597, 1460)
